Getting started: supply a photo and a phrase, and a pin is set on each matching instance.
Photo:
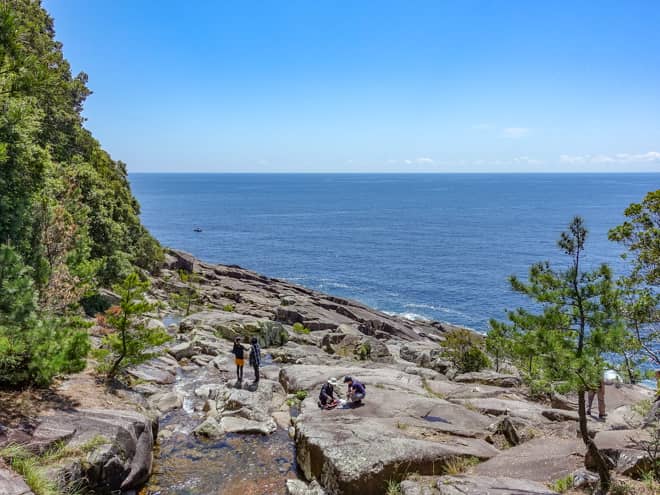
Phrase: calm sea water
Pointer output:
(434, 246)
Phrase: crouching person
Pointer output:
(327, 399)
(356, 391)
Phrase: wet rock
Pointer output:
(12, 484)
(489, 378)
(231, 424)
(210, 428)
(537, 460)
(473, 485)
(166, 402)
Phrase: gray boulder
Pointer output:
(12, 484)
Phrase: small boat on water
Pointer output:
(197, 229)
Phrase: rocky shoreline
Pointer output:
(424, 428)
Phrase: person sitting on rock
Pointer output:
(327, 399)
(255, 358)
(239, 357)
(356, 391)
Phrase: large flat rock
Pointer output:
(399, 428)
(541, 459)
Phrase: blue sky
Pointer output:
(407, 86)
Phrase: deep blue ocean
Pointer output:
(432, 246)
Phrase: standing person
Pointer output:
(239, 357)
(356, 391)
(600, 392)
(255, 358)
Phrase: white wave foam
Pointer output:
(408, 316)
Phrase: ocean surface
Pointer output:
(423, 246)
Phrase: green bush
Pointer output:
(300, 328)
(34, 348)
(228, 307)
(464, 349)
(301, 395)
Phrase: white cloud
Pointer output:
(649, 157)
(527, 160)
(413, 161)
(515, 132)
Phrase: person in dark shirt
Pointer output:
(239, 357)
(327, 397)
(356, 391)
(255, 358)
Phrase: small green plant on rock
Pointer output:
(562, 485)
(363, 351)
(300, 328)
(301, 395)
(458, 465)
(393, 488)
(228, 307)
(189, 295)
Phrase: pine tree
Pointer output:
(562, 345)
(130, 340)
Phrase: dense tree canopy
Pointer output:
(65, 205)
(68, 220)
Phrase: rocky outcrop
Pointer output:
(489, 378)
(399, 429)
(11, 483)
(540, 460)
(624, 451)
(473, 485)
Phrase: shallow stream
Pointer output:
(232, 465)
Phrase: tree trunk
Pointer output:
(601, 464)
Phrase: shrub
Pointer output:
(301, 395)
(464, 349)
(34, 348)
(300, 328)
(228, 307)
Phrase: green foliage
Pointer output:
(301, 395)
(228, 307)
(189, 296)
(562, 345)
(65, 205)
(300, 328)
(34, 348)
(464, 349)
(457, 465)
(131, 340)
(640, 233)
(562, 485)
(33, 468)
(393, 488)
(640, 299)
(363, 351)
